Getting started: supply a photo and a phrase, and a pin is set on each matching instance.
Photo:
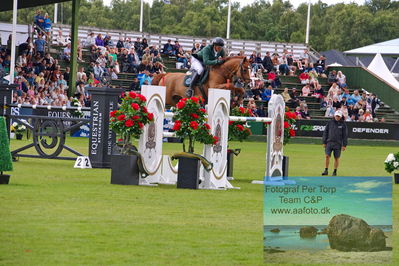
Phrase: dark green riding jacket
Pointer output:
(208, 56)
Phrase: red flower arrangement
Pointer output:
(128, 121)
(239, 130)
(190, 123)
(289, 120)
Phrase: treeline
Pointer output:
(340, 26)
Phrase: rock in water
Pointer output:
(323, 231)
(275, 230)
(347, 233)
(308, 232)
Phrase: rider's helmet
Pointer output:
(218, 41)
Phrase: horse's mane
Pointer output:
(228, 59)
(234, 57)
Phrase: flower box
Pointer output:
(124, 170)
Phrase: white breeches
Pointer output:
(196, 65)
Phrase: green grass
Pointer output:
(53, 214)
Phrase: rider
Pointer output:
(210, 55)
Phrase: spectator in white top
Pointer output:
(341, 79)
(67, 53)
(61, 40)
(334, 89)
(91, 40)
(81, 75)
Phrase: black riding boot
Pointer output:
(190, 89)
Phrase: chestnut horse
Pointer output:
(220, 77)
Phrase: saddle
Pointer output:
(201, 80)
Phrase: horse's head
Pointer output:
(244, 69)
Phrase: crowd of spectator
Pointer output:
(41, 80)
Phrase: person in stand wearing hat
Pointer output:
(212, 54)
(335, 139)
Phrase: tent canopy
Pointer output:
(378, 67)
(7, 5)
(388, 48)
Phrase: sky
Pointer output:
(295, 3)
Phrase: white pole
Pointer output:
(228, 21)
(141, 15)
(55, 13)
(13, 40)
(308, 24)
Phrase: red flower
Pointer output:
(121, 117)
(194, 99)
(250, 112)
(113, 113)
(177, 125)
(195, 116)
(140, 124)
(135, 117)
(184, 99)
(231, 122)
(207, 126)
(142, 98)
(290, 115)
(292, 132)
(194, 125)
(135, 106)
(286, 124)
(181, 104)
(123, 94)
(201, 99)
(240, 127)
(120, 140)
(242, 110)
(203, 110)
(132, 95)
(129, 123)
(215, 140)
(145, 109)
(248, 131)
(150, 116)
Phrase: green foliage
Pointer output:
(190, 123)
(131, 117)
(5, 155)
(239, 130)
(339, 26)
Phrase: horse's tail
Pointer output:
(157, 80)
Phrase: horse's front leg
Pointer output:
(229, 86)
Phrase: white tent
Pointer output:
(387, 48)
(380, 69)
(334, 64)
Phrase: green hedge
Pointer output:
(5, 155)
